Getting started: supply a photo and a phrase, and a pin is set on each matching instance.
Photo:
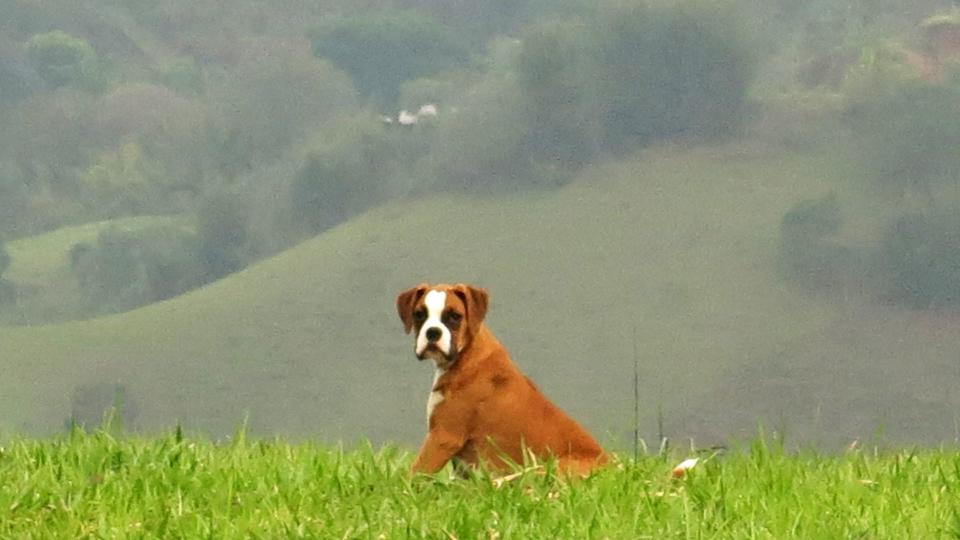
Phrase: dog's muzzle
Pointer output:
(435, 343)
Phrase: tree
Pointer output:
(223, 232)
(5, 259)
(7, 289)
(381, 50)
(126, 269)
(556, 68)
(671, 69)
(62, 59)
(17, 79)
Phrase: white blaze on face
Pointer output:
(435, 302)
(435, 396)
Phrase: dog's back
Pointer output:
(512, 416)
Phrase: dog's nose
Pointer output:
(433, 334)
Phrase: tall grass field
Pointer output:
(101, 485)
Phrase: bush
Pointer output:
(125, 269)
(484, 144)
(92, 405)
(627, 75)
(15, 215)
(908, 128)
(62, 59)
(808, 254)
(122, 183)
(17, 79)
(58, 142)
(5, 259)
(278, 96)
(671, 68)
(381, 50)
(222, 227)
(921, 261)
(916, 262)
(139, 112)
(183, 75)
(7, 289)
(337, 182)
(557, 70)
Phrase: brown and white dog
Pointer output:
(481, 408)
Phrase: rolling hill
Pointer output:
(672, 252)
(40, 266)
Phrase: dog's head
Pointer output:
(444, 319)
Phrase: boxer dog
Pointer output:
(481, 408)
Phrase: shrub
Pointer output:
(382, 49)
(908, 128)
(483, 144)
(183, 75)
(920, 259)
(278, 96)
(92, 405)
(62, 59)
(671, 68)
(125, 269)
(135, 112)
(557, 72)
(122, 183)
(5, 259)
(629, 74)
(58, 141)
(341, 179)
(222, 227)
(15, 215)
(808, 254)
(354, 165)
(8, 292)
(17, 79)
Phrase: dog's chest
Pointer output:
(435, 397)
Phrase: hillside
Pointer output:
(675, 249)
(40, 268)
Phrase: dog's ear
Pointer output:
(476, 300)
(405, 302)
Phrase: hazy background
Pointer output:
(207, 208)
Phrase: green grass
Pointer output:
(101, 486)
(308, 342)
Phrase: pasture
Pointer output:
(101, 485)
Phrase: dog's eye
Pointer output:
(453, 317)
(420, 315)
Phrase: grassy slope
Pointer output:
(41, 267)
(676, 248)
(98, 486)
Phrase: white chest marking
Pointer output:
(435, 396)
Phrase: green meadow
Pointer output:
(170, 486)
(620, 265)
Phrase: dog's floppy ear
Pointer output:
(476, 300)
(405, 303)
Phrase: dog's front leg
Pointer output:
(438, 448)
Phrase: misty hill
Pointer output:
(41, 268)
(676, 247)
